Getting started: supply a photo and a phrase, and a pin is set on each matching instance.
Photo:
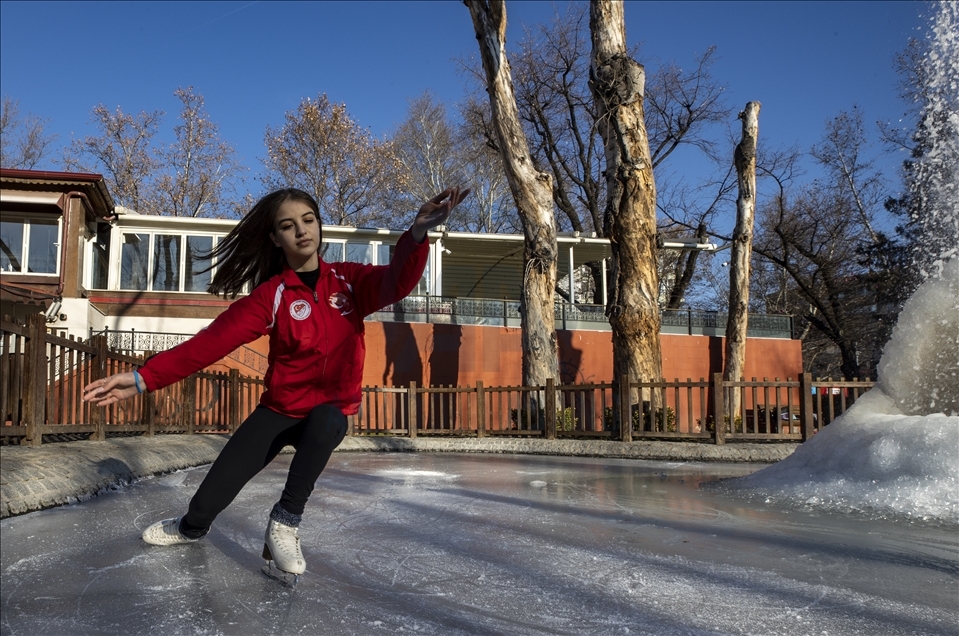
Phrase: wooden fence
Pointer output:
(42, 377)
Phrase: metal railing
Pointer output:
(506, 313)
(136, 342)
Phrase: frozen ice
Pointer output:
(395, 545)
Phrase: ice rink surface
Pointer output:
(483, 544)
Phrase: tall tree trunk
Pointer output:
(533, 192)
(617, 83)
(737, 323)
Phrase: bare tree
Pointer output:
(321, 150)
(737, 322)
(23, 140)
(426, 148)
(199, 170)
(196, 175)
(491, 207)
(684, 210)
(814, 238)
(559, 115)
(617, 82)
(681, 106)
(433, 150)
(532, 191)
(555, 105)
(122, 152)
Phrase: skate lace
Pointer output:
(285, 538)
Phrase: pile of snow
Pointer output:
(896, 450)
(919, 369)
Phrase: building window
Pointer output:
(332, 251)
(100, 272)
(11, 246)
(423, 287)
(163, 262)
(30, 245)
(166, 262)
(134, 261)
(359, 252)
(384, 253)
(197, 280)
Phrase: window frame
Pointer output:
(24, 219)
(116, 258)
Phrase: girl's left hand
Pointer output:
(435, 211)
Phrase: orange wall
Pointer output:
(434, 355)
(430, 355)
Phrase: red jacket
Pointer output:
(317, 349)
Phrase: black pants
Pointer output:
(254, 445)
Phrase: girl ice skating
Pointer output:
(313, 313)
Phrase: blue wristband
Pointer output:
(136, 380)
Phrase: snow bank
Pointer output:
(896, 450)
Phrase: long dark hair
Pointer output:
(247, 254)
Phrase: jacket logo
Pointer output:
(341, 301)
(300, 309)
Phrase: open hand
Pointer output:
(111, 389)
(435, 211)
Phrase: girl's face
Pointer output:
(296, 231)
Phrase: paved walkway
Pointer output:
(36, 478)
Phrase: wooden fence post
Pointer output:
(625, 410)
(550, 408)
(480, 410)
(93, 413)
(805, 405)
(411, 403)
(148, 413)
(234, 412)
(719, 410)
(189, 404)
(147, 405)
(103, 369)
(35, 379)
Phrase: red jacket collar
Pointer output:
(290, 279)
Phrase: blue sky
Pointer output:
(253, 61)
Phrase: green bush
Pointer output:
(567, 420)
(521, 418)
(711, 424)
(608, 420)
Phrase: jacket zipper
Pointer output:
(316, 299)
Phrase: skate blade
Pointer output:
(275, 573)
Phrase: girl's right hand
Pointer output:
(435, 211)
(111, 389)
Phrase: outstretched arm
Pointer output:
(243, 321)
(435, 211)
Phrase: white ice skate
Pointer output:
(281, 548)
(166, 532)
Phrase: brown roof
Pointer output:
(92, 185)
